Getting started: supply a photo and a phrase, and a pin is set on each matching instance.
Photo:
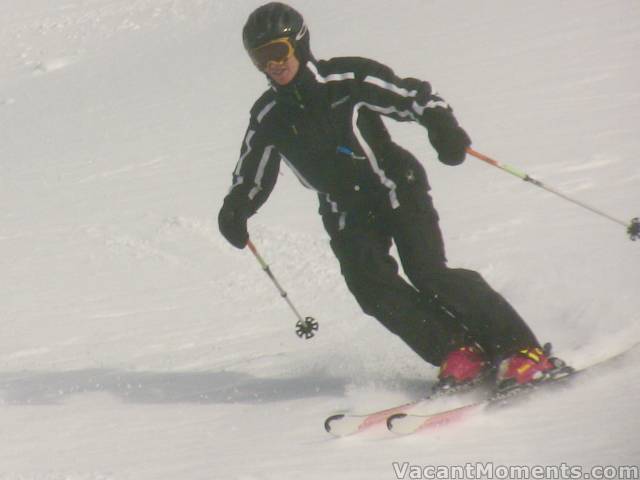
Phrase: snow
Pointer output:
(135, 343)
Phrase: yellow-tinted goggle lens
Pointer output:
(277, 51)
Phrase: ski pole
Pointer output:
(305, 327)
(633, 227)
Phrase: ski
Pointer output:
(405, 423)
(350, 423)
(347, 423)
(402, 423)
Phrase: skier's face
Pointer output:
(283, 73)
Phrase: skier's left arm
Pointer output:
(410, 99)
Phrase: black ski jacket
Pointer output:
(326, 126)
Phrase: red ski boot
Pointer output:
(528, 367)
(463, 368)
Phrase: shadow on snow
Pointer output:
(42, 388)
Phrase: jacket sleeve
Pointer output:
(257, 169)
(403, 99)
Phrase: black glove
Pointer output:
(450, 142)
(232, 221)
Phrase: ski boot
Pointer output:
(462, 369)
(528, 367)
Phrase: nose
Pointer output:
(276, 68)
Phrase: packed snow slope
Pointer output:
(135, 343)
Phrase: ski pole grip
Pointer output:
(507, 168)
(482, 156)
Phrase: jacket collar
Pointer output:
(303, 89)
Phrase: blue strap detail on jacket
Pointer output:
(348, 151)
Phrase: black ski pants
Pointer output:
(440, 308)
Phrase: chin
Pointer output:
(283, 80)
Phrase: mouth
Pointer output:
(282, 72)
(278, 71)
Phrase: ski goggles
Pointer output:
(277, 51)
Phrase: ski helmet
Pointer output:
(276, 20)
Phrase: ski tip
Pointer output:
(393, 418)
(329, 420)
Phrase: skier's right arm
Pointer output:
(254, 177)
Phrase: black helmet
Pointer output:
(276, 20)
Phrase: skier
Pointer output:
(322, 118)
